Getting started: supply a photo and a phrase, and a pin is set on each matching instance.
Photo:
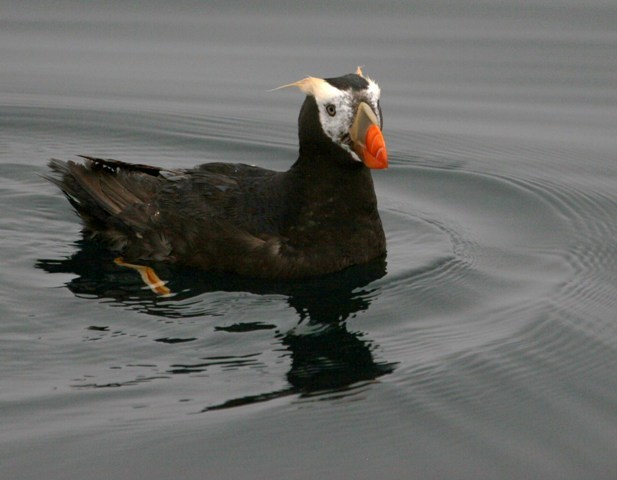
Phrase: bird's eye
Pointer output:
(331, 109)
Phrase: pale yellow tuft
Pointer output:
(317, 87)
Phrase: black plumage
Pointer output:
(320, 216)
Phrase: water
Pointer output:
(485, 346)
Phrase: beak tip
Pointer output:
(375, 152)
(377, 160)
(367, 138)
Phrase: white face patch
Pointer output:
(337, 126)
(337, 108)
(344, 104)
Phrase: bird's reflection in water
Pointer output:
(325, 355)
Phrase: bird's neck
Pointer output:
(330, 194)
(321, 176)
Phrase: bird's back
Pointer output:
(148, 212)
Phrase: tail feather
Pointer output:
(93, 215)
(109, 198)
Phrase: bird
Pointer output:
(318, 217)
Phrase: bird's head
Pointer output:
(343, 115)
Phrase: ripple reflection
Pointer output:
(324, 355)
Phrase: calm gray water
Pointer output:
(486, 347)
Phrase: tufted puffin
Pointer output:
(318, 217)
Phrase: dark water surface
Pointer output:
(485, 347)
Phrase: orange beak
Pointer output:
(367, 139)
